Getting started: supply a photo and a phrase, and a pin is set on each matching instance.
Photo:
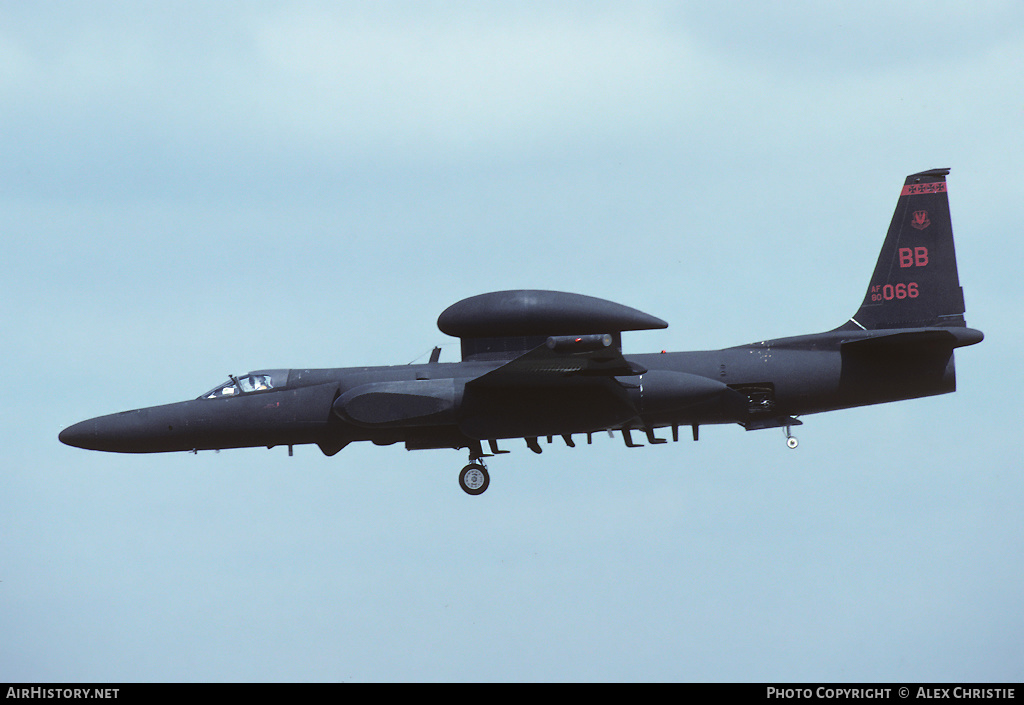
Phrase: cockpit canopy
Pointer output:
(260, 381)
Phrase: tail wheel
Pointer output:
(474, 479)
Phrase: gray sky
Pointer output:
(187, 192)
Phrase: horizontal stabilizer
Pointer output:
(897, 340)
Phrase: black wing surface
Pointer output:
(562, 358)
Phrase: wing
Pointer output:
(562, 359)
(563, 387)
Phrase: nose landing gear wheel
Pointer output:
(474, 479)
(792, 442)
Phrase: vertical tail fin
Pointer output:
(915, 283)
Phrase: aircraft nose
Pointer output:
(140, 431)
(78, 435)
(93, 434)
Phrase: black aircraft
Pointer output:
(544, 363)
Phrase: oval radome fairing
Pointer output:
(534, 312)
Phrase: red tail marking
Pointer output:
(918, 189)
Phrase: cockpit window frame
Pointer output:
(256, 382)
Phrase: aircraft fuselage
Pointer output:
(758, 385)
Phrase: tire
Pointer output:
(474, 479)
